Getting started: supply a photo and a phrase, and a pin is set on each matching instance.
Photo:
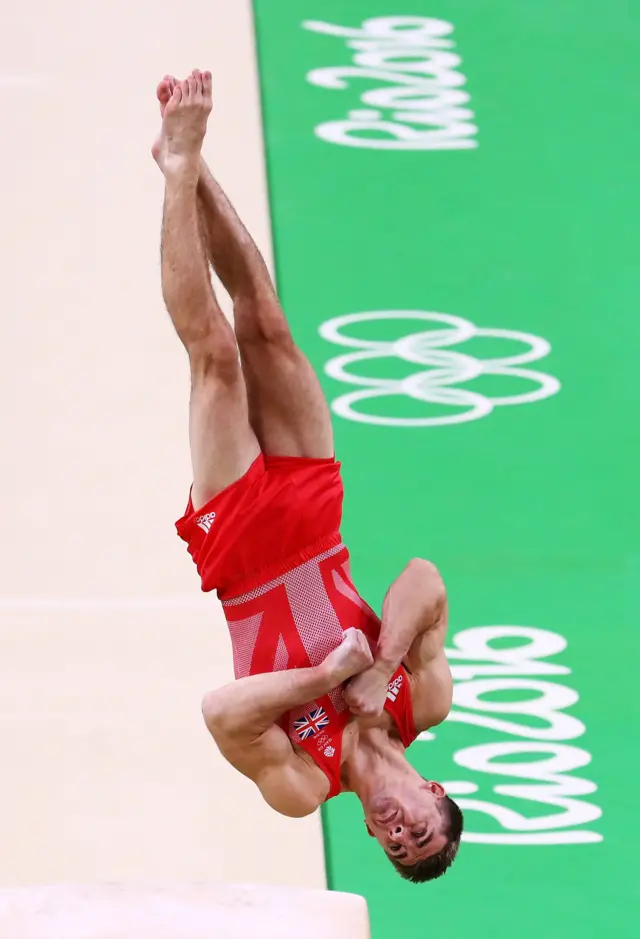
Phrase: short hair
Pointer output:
(437, 864)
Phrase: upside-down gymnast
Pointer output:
(327, 696)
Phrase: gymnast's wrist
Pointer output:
(385, 666)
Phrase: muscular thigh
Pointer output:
(287, 407)
(223, 444)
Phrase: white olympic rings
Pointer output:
(445, 368)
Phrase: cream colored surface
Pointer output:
(188, 912)
(106, 644)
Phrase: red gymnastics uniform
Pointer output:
(270, 545)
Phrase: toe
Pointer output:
(206, 84)
(193, 87)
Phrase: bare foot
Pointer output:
(185, 107)
(351, 657)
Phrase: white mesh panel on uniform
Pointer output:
(258, 591)
(281, 660)
(316, 621)
(243, 639)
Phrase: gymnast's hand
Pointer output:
(351, 657)
(366, 693)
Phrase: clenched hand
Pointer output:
(366, 693)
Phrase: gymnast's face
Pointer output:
(406, 820)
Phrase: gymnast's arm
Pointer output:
(414, 625)
(242, 716)
(414, 618)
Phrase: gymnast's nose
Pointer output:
(397, 832)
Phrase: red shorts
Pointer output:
(283, 511)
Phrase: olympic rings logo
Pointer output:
(443, 370)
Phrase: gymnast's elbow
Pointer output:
(290, 791)
(215, 711)
(425, 569)
(426, 578)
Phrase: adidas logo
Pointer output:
(393, 689)
(206, 521)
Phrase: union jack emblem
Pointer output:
(311, 723)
